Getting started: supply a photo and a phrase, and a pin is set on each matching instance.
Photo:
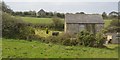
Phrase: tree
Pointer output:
(6, 8)
(32, 13)
(114, 26)
(13, 27)
(19, 13)
(113, 15)
(49, 14)
(80, 13)
(104, 15)
(57, 24)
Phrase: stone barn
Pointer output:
(75, 23)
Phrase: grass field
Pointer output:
(37, 20)
(107, 23)
(49, 20)
(25, 49)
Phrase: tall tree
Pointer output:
(104, 15)
(6, 8)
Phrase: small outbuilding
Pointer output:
(75, 23)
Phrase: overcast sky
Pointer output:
(71, 6)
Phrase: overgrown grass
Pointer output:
(25, 49)
(42, 33)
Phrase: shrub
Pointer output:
(85, 38)
(10, 25)
(64, 39)
(13, 27)
(114, 26)
(70, 42)
(26, 32)
(66, 42)
(42, 26)
(52, 39)
(73, 42)
(57, 24)
(100, 39)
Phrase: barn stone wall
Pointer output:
(99, 27)
(75, 28)
(72, 28)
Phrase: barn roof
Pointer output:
(83, 18)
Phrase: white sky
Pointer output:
(72, 6)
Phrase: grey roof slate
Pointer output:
(83, 18)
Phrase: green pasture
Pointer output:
(38, 20)
(25, 49)
(107, 23)
(49, 20)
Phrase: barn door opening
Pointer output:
(81, 27)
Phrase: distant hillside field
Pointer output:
(49, 20)
(12, 48)
(37, 20)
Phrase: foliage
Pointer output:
(104, 15)
(114, 26)
(66, 42)
(80, 13)
(6, 8)
(39, 14)
(63, 39)
(113, 15)
(25, 13)
(57, 24)
(26, 32)
(50, 23)
(100, 39)
(86, 39)
(83, 38)
(13, 27)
